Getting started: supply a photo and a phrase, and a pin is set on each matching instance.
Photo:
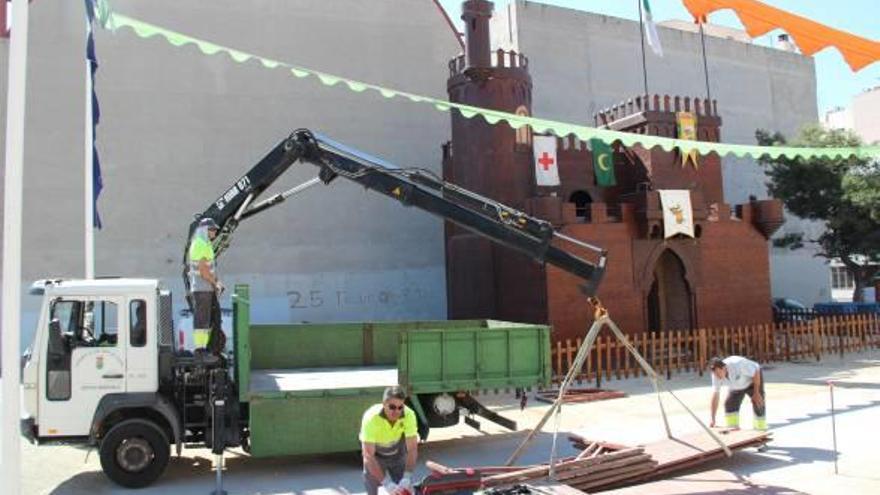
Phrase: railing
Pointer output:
(499, 59)
(677, 351)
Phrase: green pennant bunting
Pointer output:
(146, 30)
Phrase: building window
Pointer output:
(524, 133)
(841, 278)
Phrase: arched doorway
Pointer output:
(670, 298)
(581, 200)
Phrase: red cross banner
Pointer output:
(546, 167)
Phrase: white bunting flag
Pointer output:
(678, 217)
(546, 167)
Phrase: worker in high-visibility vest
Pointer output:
(390, 441)
(742, 377)
(206, 287)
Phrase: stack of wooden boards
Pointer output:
(603, 465)
(686, 451)
(592, 469)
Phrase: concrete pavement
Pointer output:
(800, 459)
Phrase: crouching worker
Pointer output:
(742, 377)
(389, 443)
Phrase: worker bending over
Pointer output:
(742, 377)
(389, 440)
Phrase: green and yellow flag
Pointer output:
(603, 163)
(687, 129)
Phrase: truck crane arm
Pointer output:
(412, 187)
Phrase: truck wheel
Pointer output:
(134, 453)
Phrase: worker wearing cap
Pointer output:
(742, 377)
(205, 286)
(389, 441)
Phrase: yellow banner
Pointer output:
(687, 129)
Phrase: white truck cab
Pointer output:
(95, 362)
(94, 337)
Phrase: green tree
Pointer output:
(842, 193)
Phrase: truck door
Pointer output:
(83, 359)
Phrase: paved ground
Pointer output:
(800, 460)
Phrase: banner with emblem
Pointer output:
(678, 216)
(546, 166)
(687, 129)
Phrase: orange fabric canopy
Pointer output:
(810, 36)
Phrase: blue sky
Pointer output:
(837, 84)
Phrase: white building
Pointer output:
(861, 117)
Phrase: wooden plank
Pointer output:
(583, 473)
(587, 452)
(580, 442)
(680, 356)
(589, 365)
(626, 473)
(558, 350)
(617, 364)
(568, 359)
(542, 471)
(687, 447)
(608, 342)
(639, 370)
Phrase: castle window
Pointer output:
(581, 200)
(524, 133)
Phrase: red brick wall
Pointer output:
(727, 269)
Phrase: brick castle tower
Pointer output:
(718, 277)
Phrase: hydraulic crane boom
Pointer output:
(412, 187)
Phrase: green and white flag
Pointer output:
(603, 163)
(651, 30)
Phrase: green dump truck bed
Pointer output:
(307, 385)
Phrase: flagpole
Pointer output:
(642, 32)
(12, 203)
(705, 62)
(89, 170)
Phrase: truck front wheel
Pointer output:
(134, 453)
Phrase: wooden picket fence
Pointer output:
(677, 351)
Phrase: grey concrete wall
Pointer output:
(178, 127)
(582, 62)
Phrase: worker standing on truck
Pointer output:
(206, 287)
(389, 440)
(742, 377)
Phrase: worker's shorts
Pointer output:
(394, 465)
(735, 398)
